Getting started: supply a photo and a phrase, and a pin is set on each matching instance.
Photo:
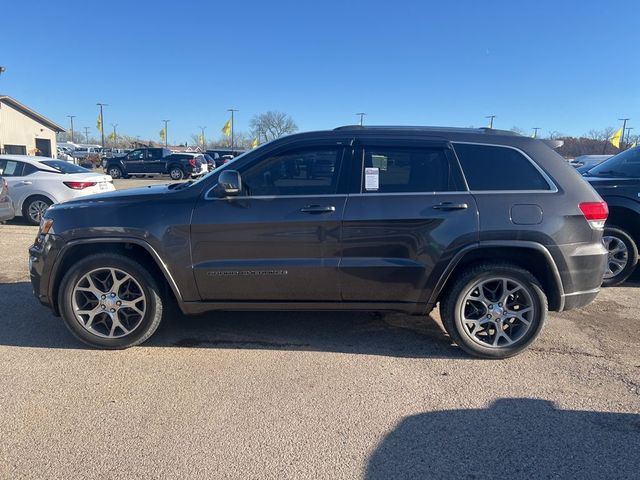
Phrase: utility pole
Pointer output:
(362, 114)
(166, 133)
(86, 134)
(535, 131)
(202, 129)
(71, 117)
(102, 121)
(115, 135)
(624, 128)
(232, 110)
(490, 117)
(628, 130)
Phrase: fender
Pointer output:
(163, 267)
(500, 243)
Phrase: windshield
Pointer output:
(64, 167)
(625, 164)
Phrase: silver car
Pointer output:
(7, 211)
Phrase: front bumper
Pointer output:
(42, 257)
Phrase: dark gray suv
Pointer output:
(494, 227)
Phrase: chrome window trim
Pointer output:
(272, 197)
(552, 186)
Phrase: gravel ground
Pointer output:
(314, 395)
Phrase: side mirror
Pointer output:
(229, 184)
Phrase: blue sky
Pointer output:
(567, 66)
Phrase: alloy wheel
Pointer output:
(497, 312)
(36, 210)
(108, 302)
(618, 256)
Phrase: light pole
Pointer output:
(490, 117)
(232, 110)
(628, 130)
(115, 135)
(86, 134)
(624, 128)
(71, 117)
(362, 114)
(166, 133)
(102, 121)
(202, 129)
(535, 131)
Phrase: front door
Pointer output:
(409, 214)
(279, 240)
(134, 161)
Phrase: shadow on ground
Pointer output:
(513, 438)
(25, 323)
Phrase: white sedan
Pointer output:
(36, 183)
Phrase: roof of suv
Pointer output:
(424, 129)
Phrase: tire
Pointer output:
(176, 173)
(138, 314)
(623, 256)
(34, 207)
(115, 172)
(515, 334)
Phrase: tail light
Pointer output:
(192, 162)
(595, 213)
(79, 185)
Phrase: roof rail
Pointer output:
(485, 130)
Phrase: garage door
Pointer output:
(15, 149)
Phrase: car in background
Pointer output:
(156, 161)
(36, 183)
(224, 151)
(586, 162)
(617, 180)
(7, 212)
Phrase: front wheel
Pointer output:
(176, 173)
(115, 172)
(494, 310)
(622, 256)
(110, 301)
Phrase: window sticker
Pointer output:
(371, 179)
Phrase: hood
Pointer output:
(116, 196)
(611, 181)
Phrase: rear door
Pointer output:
(409, 214)
(154, 161)
(279, 240)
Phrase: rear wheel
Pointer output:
(34, 208)
(176, 173)
(494, 310)
(622, 256)
(110, 301)
(115, 172)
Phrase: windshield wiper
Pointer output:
(180, 185)
(611, 172)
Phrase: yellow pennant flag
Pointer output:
(227, 128)
(201, 139)
(163, 134)
(615, 140)
(255, 143)
(112, 136)
(99, 122)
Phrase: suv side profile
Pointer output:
(494, 227)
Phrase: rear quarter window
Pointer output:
(488, 167)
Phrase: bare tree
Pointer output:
(271, 125)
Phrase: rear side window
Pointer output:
(407, 170)
(489, 167)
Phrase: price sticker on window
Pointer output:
(371, 179)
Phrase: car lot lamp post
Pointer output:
(71, 117)
(232, 110)
(490, 117)
(102, 121)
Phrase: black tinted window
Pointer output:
(303, 172)
(28, 169)
(393, 170)
(498, 168)
(625, 164)
(64, 167)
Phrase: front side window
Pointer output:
(301, 172)
(136, 155)
(11, 168)
(495, 168)
(406, 170)
(625, 164)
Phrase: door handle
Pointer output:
(26, 182)
(318, 209)
(451, 206)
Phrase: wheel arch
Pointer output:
(135, 249)
(531, 256)
(626, 218)
(25, 200)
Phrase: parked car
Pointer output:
(7, 211)
(586, 162)
(155, 161)
(225, 151)
(38, 182)
(617, 180)
(494, 227)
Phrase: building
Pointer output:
(24, 131)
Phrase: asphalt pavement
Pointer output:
(314, 395)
